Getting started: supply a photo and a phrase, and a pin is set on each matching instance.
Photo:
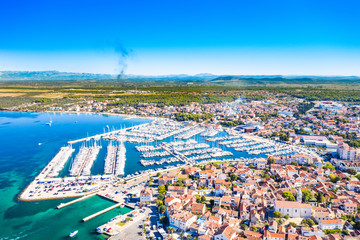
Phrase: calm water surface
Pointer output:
(21, 159)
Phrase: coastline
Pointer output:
(128, 116)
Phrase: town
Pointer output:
(305, 185)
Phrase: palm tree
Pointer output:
(182, 235)
(188, 237)
(170, 230)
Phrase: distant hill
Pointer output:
(284, 80)
(56, 75)
(49, 75)
(204, 79)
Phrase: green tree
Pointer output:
(334, 178)
(270, 161)
(293, 224)
(307, 195)
(171, 230)
(159, 203)
(233, 177)
(203, 199)
(304, 168)
(319, 197)
(162, 189)
(277, 214)
(163, 220)
(162, 208)
(351, 171)
(161, 197)
(288, 195)
(308, 222)
(329, 166)
(244, 226)
(294, 163)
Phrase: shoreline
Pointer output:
(19, 196)
(129, 116)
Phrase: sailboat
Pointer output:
(72, 234)
(49, 123)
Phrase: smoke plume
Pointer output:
(123, 55)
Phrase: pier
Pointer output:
(176, 154)
(98, 136)
(101, 212)
(62, 205)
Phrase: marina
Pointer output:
(97, 162)
(84, 160)
(161, 142)
(58, 162)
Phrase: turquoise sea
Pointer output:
(22, 158)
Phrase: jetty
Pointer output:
(98, 136)
(101, 212)
(62, 205)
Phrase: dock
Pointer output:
(181, 157)
(62, 205)
(98, 136)
(101, 212)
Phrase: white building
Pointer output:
(145, 195)
(293, 209)
(348, 153)
(331, 224)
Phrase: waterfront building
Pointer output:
(146, 195)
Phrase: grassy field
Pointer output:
(173, 93)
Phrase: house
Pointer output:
(182, 220)
(334, 237)
(350, 208)
(166, 180)
(331, 224)
(253, 235)
(261, 163)
(204, 237)
(220, 191)
(198, 208)
(214, 219)
(293, 209)
(145, 195)
(178, 190)
(321, 215)
(225, 233)
(204, 174)
(273, 226)
(273, 236)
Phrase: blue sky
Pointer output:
(292, 37)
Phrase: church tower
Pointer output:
(299, 195)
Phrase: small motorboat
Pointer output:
(72, 234)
